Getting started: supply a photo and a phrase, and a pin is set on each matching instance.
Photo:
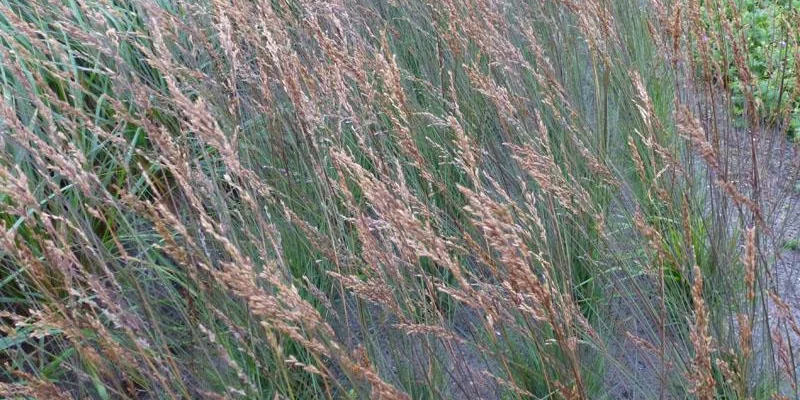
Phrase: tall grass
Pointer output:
(381, 199)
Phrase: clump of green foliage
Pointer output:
(769, 42)
(793, 245)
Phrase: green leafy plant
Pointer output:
(792, 244)
(767, 33)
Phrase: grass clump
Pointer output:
(371, 199)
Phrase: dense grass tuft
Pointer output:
(379, 199)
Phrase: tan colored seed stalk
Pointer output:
(701, 374)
